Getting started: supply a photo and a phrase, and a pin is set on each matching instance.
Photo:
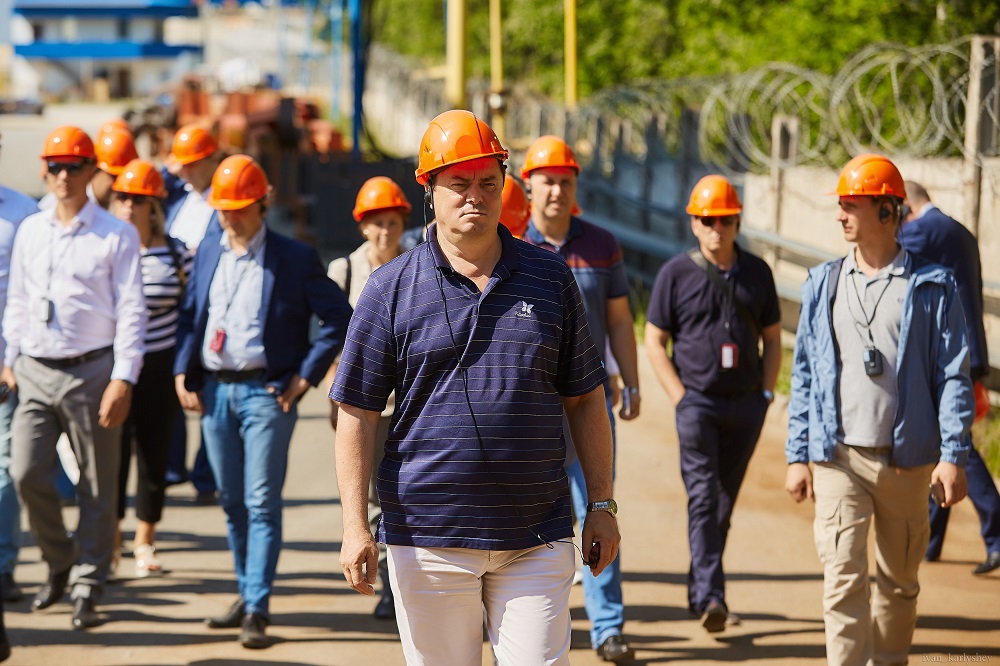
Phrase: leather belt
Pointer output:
(74, 360)
(237, 376)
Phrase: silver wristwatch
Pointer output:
(610, 506)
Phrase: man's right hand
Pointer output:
(190, 400)
(7, 377)
(359, 560)
(799, 482)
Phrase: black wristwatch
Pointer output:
(610, 506)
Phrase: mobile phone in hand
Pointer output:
(937, 493)
(594, 558)
(4, 392)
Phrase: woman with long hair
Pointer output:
(165, 264)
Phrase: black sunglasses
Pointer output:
(726, 220)
(136, 199)
(71, 168)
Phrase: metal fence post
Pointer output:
(980, 129)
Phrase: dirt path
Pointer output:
(774, 576)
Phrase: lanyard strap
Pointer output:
(866, 324)
(230, 297)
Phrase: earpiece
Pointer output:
(428, 199)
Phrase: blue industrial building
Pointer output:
(119, 45)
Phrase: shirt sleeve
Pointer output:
(619, 277)
(15, 310)
(367, 371)
(659, 311)
(580, 366)
(130, 304)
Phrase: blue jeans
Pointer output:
(247, 435)
(10, 507)
(602, 595)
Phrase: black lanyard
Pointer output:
(866, 324)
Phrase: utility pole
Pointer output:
(454, 86)
(498, 95)
(570, 53)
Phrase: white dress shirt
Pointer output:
(14, 207)
(191, 222)
(237, 306)
(89, 274)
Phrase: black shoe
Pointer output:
(4, 646)
(231, 619)
(51, 592)
(714, 617)
(84, 615)
(615, 649)
(11, 592)
(206, 498)
(252, 634)
(385, 609)
(992, 562)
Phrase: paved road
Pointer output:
(775, 579)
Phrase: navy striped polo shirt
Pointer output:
(494, 481)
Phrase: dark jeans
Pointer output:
(717, 436)
(986, 500)
(149, 427)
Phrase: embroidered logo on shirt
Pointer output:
(525, 311)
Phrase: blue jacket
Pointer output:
(936, 402)
(295, 288)
(943, 240)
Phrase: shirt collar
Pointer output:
(83, 218)
(508, 252)
(898, 267)
(536, 237)
(252, 247)
(926, 208)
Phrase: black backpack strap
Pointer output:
(725, 289)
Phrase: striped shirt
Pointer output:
(594, 256)
(493, 481)
(164, 291)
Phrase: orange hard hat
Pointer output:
(140, 177)
(452, 137)
(515, 212)
(714, 196)
(380, 193)
(870, 175)
(238, 182)
(114, 150)
(192, 143)
(548, 151)
(68, 141)
(115, 124)
(982, 401)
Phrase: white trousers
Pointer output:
(440, 595)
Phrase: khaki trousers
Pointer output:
(854, 489)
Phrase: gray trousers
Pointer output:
(54, 400)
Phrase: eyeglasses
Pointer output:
(71, 168)
(136, 199)
(726, 220)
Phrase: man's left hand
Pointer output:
(602, 528)
(952, 478)
(296, 387)
(115, 404)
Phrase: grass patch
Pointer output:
(986, 437)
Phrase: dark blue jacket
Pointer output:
(295, 287)
(943, 240)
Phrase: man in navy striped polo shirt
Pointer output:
(485, 341)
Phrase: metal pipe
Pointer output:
(570, 52)
(454, 87)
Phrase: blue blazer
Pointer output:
(295, 287)
(945, 241)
